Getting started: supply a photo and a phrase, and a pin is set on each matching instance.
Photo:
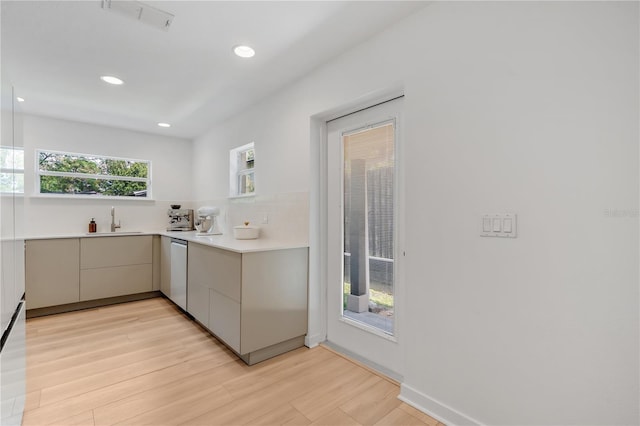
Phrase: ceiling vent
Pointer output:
(141, 12)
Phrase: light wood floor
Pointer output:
(145, 363)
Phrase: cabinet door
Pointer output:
(99, 283)
(216, 268)
(274, 297)
(52, 272)
(198, 302)
(224, 319)
(165, 266)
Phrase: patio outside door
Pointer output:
(363, 200)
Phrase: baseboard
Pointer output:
(90, 304)
(366, 362)
(434, 408)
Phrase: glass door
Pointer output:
(363, 204)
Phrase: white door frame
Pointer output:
(317, 319)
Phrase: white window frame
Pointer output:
(236, 173)
(14, 171)
(39, 173)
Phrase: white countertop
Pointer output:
(226, 242)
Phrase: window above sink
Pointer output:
(90, 175)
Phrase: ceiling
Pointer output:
(55, 51)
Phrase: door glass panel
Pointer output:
(368, 225)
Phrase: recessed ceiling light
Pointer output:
(164, 124)
(111, 80)
(244, 51)
(19, 99)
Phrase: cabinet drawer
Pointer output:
(100, 252)
(218, 269)
(99, 283)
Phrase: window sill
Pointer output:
(90, 197)
(369, 328)
(235, 197)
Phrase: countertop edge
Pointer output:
(224, 242)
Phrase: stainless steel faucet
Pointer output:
(113, 220)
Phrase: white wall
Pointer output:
(282, 171)
(527, 107)
(171, 175)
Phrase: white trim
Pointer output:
(436, 409)
(253, 194)
(313, 341)
(82, 154)
(369, 328)
(91, 197)
(235, 172)
(91, 176)
(317, 320)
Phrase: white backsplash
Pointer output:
(287, 215)
(68, 216)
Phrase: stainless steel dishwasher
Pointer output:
(178, 291)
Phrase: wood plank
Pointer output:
(373, 404)
(145, 362)
(336, 417)
(425, 418)
(399, 417)
(284, 414)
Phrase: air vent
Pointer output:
(141, 12)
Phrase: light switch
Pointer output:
(501, 225)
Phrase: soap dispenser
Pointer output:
(93, 227)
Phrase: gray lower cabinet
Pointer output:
(115, 266)
(256, 303)
(52, 272)
(71, 270)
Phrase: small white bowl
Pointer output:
(246, 232)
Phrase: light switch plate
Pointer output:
(501, 225)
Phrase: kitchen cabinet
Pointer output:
(215, 298)
(52, 269)
(115, 266)
(257, 301)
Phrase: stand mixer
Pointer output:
(206, 223)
